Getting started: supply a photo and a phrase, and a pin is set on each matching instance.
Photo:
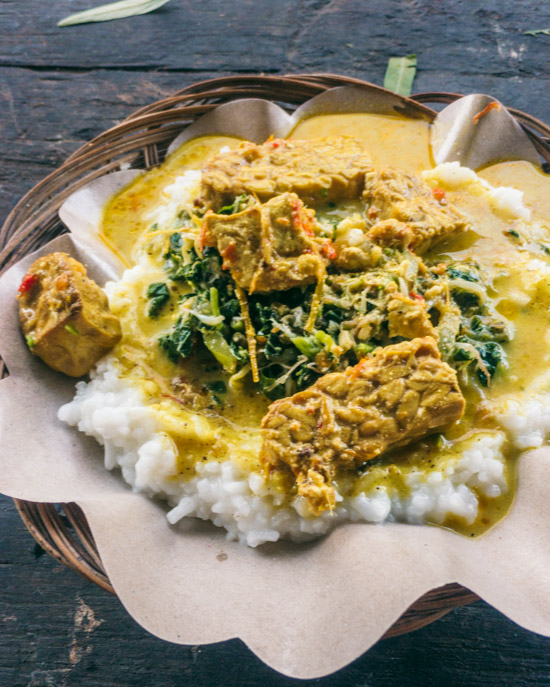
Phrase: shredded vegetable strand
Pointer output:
(265, 242)
(166, 232)
(250, 333)
(316, 300)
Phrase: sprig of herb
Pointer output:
(400, 74)
(114, 10)
(534, 32)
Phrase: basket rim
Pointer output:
(64, 533)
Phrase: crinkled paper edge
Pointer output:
(306, 610)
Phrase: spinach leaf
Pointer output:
(179, 343)
(158, 294)
(492, 355)
(173, 259)
(467, 271)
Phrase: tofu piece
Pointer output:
(407, 317)
(406, 213)
(401, 393)
(269, 247)
(317, 170)
(65, 316)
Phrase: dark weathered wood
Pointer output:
(473, 46)
(59, 631)
(61, 87)
(46, 115)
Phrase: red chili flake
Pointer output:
(29, 280)
(491, 106)
(328, 250)
(300, 219)
(416, 296)
(229, 254)
(439, 194)
(356, 371)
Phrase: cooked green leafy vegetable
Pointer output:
(351, 323)
(179, 343)
(158, 294)
(238, 204)
(114, 10)
(481, 329)
(485, 357)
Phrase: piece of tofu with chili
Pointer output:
(65, 316)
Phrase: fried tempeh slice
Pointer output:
(317, 170)
(65, 316)
(403, 392)
(406, 213)
(269, 247)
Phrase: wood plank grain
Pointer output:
(350, 36)
(59, 88)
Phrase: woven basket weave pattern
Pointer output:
(141, 141)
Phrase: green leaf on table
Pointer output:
(400, 74)
(115, 10)
(534, 32)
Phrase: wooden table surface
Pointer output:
(61, 87)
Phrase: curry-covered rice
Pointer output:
(323, 329)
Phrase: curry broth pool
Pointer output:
(206, 434)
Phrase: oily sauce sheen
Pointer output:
(215, 434)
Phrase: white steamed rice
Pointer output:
(111, 410)
(114, 413)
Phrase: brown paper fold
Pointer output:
(305, 609)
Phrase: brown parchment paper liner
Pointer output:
(306, 610)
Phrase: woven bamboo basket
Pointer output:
(141, 141)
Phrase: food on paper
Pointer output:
(402, 392)
(416, 218)
(331, 170)
(268, 246)
(65, 316)
(308, 346)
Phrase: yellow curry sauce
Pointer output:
(233, 431)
